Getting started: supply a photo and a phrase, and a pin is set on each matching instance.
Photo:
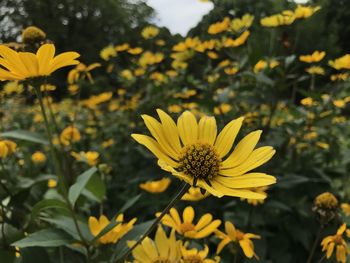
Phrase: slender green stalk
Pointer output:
(313, 249)
(172, 202)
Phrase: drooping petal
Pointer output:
(244, 193)
(187, 127)
(247, 247)
(222, 244)
(247, 180)
(227, 136)
(207, 130)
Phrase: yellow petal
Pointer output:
(45, 55)
(94, 226)
(330, 250)
(209, 229)
(188, 128)
(243, 149)
(203, 221)
(188, 214)
(154, 147)
(227, 136)
(230, 230)
(63, 60)
(247, 180)
(13, 62)
(31, 63)
(207, 130)
(237, 192)
(175, 215)
(162, 242)
(247, 247)
(222, 244)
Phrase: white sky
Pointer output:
(179, 15)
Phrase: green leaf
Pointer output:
(45, 238)
(24, 135)
(95, 188)
(82, 180)
(130, 203)
(48, 203)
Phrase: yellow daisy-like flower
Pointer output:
(194, 152)
(24, 65)
(116, 233)
(51, 183)
(90, 157)
(314, 57)
(155, 187)
(336, 241)
(194, 255)
(204, 227)
(7, 148)
(234, 235)
(313, 70)
(38, 157)
(162, 249)
(194, 194)
(345, 207)
(69, 135)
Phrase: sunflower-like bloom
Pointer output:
(7, 148)
(158, 186)
(25, 65)
(194, 194)
(90, 157)
(194, 255)
(69, 135)
(38, 157)
(314, 57)
(194, 152)
(329, 242)
(204, 227)
(234, 235)
(326, 207)
(116, 233)
(162, 249)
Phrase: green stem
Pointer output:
(313, 249)
(173, 201)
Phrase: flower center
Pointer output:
(200, 161)
(186, 227)
(193, 259)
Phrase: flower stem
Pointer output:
(313, 249)
(173, 201)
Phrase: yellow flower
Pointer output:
(158, 186)
(90, 157)
(314, 57)
(222, 109)
(231, 70)
(323, 145)
(25, 65)
(287, 17)
(340, 63)
(47, 87)
(194, 194)
(149, 58)
(340, 77)
(185, 94)
(205, 226)
(135, 51)
(122, 47)
(194, 255)
(51, 183)
(162, 249)
(326, 200)
(238, 24)
(7, 148)
(150, 32)
(256, 202)
(305, 11)
(12, 87)
(69, 135)
(219, 26)
(307, 101)
(212, 55)
(337, 240)
(96, 100)
(38, 157)
(229, 42)
(194, 152)
(116, 233)
(259, 66)
(126, 74)
(345, 207)
(339, 103)
(315, 70)
(234, 235)
(174, 108)
(81, 71)
(108, 52)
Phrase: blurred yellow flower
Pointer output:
(149, 58)
(336, 241)
(12, 87)
(90, 157)
(194, 255)
(239, 24)
(231, 70)
(234, 235)
(32, 35)
(150, 32)
(222, 109)
(126, 74)
(217, 176)
(174, 108)
(162, 249)
(308, 101)
(7, 148)
(340, 77)
(51, 183)
(256, 202)
(205, 226)
(219, 26)
(108, 52)
(339, 103)
(305, 11)
(135, 51)
(70, 135)
(212, 55)
(122, 47)
(25, 65)
(229, 42)
(158, 186)
(262, 64)
(38, 157)
(47, 87)
(115, 234)
(81, 71)
(316, 56)
(345, 207)
(340, 63)
(323, 145)
(287, 17)
(194, 194)
(315, 70)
